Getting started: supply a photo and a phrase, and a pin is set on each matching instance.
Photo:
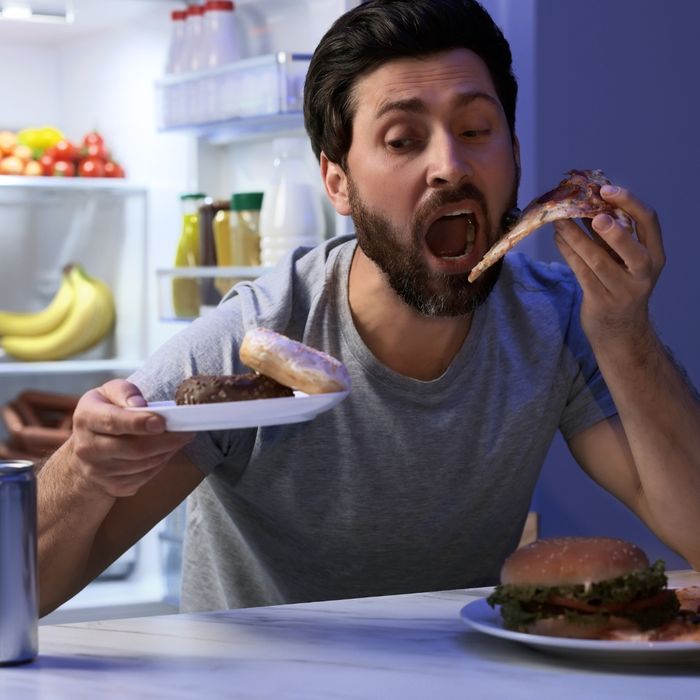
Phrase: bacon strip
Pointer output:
(575, 197)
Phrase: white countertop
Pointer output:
(407, 646)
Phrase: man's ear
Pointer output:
(336, 183)
(516, 151)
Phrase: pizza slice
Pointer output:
(576, 197)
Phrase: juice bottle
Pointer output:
(186, 296)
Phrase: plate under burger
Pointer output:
(253, 413)
(480, 616)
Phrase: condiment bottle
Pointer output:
(220, 34)
(194, 50)
(236, 235)
(186, 297)
(175, 61)
(292, 213)
(207, 250)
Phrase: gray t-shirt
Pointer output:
(406, 485)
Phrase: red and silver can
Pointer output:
(18, 567)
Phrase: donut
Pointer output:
(292, 363)
(208, 388)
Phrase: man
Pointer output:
(422, 477)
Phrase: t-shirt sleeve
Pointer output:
(589, 399)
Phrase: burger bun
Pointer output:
(562, 561)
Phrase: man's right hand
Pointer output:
(116, 451)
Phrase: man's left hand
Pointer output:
(616, 268)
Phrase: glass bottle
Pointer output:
(236, 235)
(207, 247)
(186, 296)
(292, 212)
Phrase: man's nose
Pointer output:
(449, 162)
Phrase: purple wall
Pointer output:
(617, 87)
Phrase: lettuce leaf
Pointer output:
(523, 605)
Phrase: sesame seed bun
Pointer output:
(572, 560)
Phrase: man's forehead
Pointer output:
(407, 79)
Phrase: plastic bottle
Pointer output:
(175, 97)
(237, 236)
(292, 213)
(174, 64)
(220, 34)
(186, 296)
(219, 46)
(194, 50)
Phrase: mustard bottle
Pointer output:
(186, 296)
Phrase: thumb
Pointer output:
(122, 393)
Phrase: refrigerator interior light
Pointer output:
(60, 11)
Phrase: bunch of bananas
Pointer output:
(80, 315)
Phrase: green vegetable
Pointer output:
(523, 605)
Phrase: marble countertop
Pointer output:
(406, 646)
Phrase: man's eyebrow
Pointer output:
(417, 106)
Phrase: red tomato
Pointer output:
(94, 150)
(47, 161)
(63, 168)
(93, 137)
(91, 167)
(113, 169)
(64, 150)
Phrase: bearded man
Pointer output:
(422, 478)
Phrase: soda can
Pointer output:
(19, 613)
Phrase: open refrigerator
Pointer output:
(210, 132)
(99, 65)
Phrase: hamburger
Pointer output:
(583, 587)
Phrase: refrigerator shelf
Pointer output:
(71, 184)
(249, 92)
(59, 367)
(185, 293)
(211, 271)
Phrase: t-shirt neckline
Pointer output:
(378, 370)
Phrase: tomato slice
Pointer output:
(657, 599)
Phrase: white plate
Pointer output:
(243, 414)
(479, 615)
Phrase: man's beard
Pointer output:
(430, 293)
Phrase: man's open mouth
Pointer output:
(452, 236)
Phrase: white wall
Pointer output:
(29, 86)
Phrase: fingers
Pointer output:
(118, 450)
(612, 248)
(586, 276)
(645, 218)
(630, 252)
(102, 411)
(122, 393)
(129, 454)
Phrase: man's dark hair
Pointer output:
(378, 31)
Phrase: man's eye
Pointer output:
(476, 133)
(400, 144)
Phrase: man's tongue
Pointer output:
(451, 236)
